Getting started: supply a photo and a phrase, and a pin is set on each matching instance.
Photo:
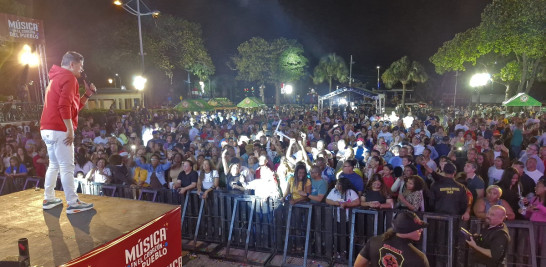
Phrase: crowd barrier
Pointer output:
(318, 231)
(19, 111)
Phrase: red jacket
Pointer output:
(62, 100)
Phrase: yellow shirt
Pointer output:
(294, 189)
(140, 176)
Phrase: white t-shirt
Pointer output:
(335, 195)
(208, 180)
(494, 175)
(535, 175)
(99, 178)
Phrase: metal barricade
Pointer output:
(309, 208)
(450, 221)
(375, 215)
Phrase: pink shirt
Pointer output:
(538, 215)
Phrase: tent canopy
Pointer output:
(251, 102)
(522, 100)
(193, 105)
(221, 103)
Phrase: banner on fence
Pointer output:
(157, 243)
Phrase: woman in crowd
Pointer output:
(26, 160)
(492, 197)
(376, 195)
(412, 195)
(100, 174)
(16, 171)
(208, 180)
(536, 207)
(7, 153)
(343, 195)
(175, 169)
(511, 188)
(300, 182)
(82, 162)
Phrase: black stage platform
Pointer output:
(54, 237)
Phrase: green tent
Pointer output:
(221, 103)
(251, 102)
(193, 105)
(522, 100)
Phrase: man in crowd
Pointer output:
(449, 196)
(474, 182)
(532, 152)
(395, 247)
(491, 247)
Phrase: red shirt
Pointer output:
(39, 167)
(62, 100)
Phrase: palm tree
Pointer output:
(330, 67)
(403, 71)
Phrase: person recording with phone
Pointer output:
(489, 249)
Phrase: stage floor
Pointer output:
(54, 237)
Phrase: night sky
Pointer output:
(375, 32)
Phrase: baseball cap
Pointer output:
(406, 222)
(360, 139)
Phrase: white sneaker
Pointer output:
(78, 207)
(52, 203)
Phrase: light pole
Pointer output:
(479, 80)
(117, 78)
(378, 84)
(130, 10)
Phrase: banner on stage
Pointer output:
(157, 243)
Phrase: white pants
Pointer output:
(61, 158)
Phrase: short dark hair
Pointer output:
(70, 57)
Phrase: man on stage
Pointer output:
(58, 123)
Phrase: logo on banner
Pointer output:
(23, 29)
(148, 250)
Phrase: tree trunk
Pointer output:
(533, 76)
(278, 94)
(507, 93)
(524, 70)
(329, 84)
(403, 95)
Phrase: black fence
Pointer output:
(319, 231)
(19, 111)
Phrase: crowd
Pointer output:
(458, 164)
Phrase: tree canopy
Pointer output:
(275, 62)
(404, 71)
(170, 44)
(514, 31)
(331, 67)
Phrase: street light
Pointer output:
(130, 10)
(288, 89)
(110, 81)
(478, 80)
(202, 84)
(26, 57)
(139, 83)
(378, 84)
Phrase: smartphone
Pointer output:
(465, 233)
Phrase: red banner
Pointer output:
(157, 243)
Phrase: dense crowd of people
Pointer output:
(454, 162)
